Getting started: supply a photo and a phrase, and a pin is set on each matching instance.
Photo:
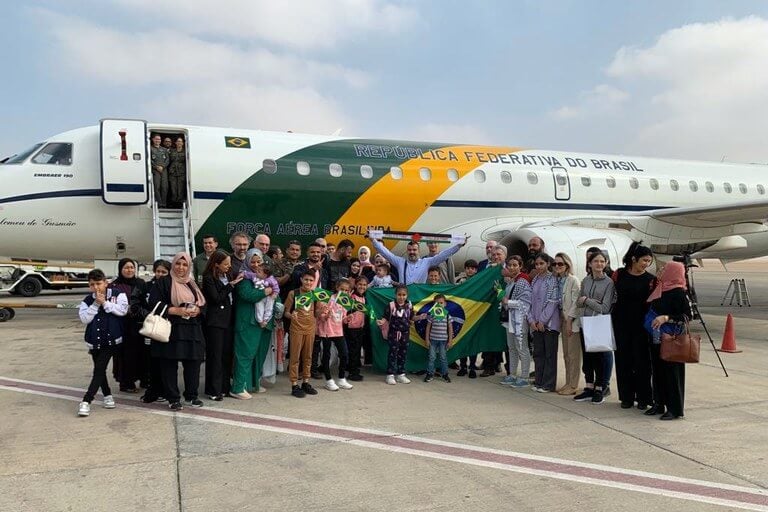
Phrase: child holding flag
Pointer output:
(300, 309)
(399, 316)
(354, 329)
(330, 327)
(439, 335)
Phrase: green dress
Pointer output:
(251, 341)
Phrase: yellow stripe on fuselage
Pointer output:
(398, 204)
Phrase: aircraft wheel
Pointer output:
(6, 314)
(29, 287)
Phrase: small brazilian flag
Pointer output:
(438, 312)
(321, 295)
(237, 142)
(345, 301)
(304, 301)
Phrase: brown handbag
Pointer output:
(680, 348)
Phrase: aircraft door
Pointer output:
(562, 183)
(124, 160)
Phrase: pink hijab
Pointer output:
(182, 287)
(672, 276)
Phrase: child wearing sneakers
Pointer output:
(101, 312)
(300, 309)
(399, 316)
(263, 278)
(439, 335)
(354, 330)
(330, 328)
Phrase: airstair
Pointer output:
(171, 232)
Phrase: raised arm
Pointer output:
(391, 257)
(442, 255)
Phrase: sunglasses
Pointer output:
(560, 264)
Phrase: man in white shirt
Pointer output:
(413, 269)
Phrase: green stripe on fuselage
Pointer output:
(288, 206)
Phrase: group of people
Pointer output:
(168, 158)
(231, 310)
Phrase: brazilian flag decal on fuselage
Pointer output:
(237, 142)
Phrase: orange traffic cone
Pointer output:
(729, 338)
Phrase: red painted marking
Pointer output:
(342, 433)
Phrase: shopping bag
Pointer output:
(598, 333)
(269, 369)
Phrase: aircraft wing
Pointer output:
(674, 230)
(713, 216)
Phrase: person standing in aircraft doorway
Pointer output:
(160, 159)
(177, 173)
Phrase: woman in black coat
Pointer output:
(670, 303)
(185, 302)
(128, 366)
(219, 339)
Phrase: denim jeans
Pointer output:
(435, 347)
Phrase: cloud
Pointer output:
(244, 105)
(601, 99)
(303, 24)
(169, 56)
(699, 91)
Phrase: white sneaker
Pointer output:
(108, 402)
(402, 379)
(343, 384)
(84, 409)
(391, 380)
(330, 385)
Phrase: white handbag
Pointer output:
(156, 327)
(598, 333)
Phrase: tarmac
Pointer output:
(467, 445)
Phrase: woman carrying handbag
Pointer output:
(670, 303)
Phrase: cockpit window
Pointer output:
(54, 153)
(20, 157)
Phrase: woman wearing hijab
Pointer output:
(185, 302)
(251, 340)
(364, 255)
(670, 304)
(128, 364)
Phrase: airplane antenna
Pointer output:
(336, 133)
(722, 159)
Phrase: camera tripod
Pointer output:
(693, 301)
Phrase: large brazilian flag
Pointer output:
(474, 306)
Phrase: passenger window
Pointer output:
(506, 177)
(586, 181)
(742, 188)
(634, 183)
(533, 178)
(654, 183)
(396, 173)
(54, 153)
(479, 176)
(674, 185)
(425, 174)
(269, 166)
(610, 181)
(693, 186)
(709, 186)
(453, 175)
(366, 171)
(761, 190)
(302, 168)
(335, 170)
(727, 187)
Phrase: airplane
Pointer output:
(87, 195)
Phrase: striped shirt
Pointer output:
(438, 330)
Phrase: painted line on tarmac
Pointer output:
(702, 491)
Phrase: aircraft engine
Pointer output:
(573, 241)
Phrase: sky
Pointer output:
(685, 79)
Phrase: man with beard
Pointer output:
(337, 264)
(413, 269)
(239, 241)
(535, 247)
(287, 265)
